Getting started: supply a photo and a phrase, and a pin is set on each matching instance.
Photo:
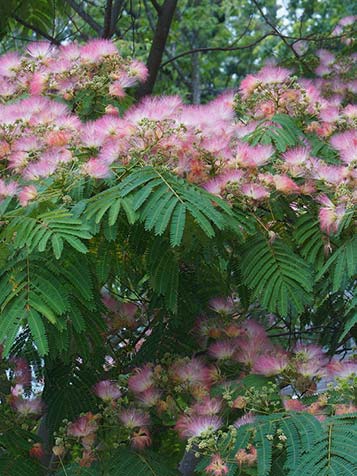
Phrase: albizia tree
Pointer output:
(177, 281)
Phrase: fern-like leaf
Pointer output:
(279, 278)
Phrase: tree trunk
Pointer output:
(158, 46)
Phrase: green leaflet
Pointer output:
(342, 264)
(54, 227)
(163, 202)
(164, 273)
(279, 278)
(333, 450)
(38, 332)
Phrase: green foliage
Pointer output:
(163, 203)
(15, 444)
(332, 449)
(37, 231)
(282, 133)
(309, 237)
(125, 462)
(342, 264)
(279, 278)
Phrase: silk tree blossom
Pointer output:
(192, 372)
(253, 156)
(194, 426)
(107, 390)
(84, 426)
(269, 365)
(149, 397)
(330, 215)
(223, 306)
(141, 439)
(295, 160)
(246, 419)
(309, 360)
(222, 350)
(247, 457)
(27, 406)
(254, 191)
(346, 144)
(141, 380)
(208, 406)
(217, 466)
(345, 369)
(133, 418)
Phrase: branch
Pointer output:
(85, 16)
(158, 46)
(36, 30)
(179, 71)
(218, 48)
(156, 6)
(118, 4)
(107, 33)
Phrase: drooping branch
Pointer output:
(218, 48)
(158, 46)
(36, 30)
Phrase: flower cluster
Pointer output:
(239, 160)
(45, 69)
(203, 397)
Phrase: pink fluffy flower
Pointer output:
(245, 420)
(107, 390)
(26, 406)
(248, 85)
(138, 70)
(332, 174)
(141, 379)
(217, 466)
(330, 215)
(193, 426)
(94, 50)
(141, 439)
(273, 74)
(253, 156)
(96, 168)
(271, 364)
(222, 350)
(296, 156)
(285, 184)
(40, 50)
(133, 418)
(208, 406)
(26, 194)
(310, 360)
(254, 191)
(346, 144)
(192, 372)
(83, 426)
(222, 305)
(9, 64)
(344, 369)
(149, 397)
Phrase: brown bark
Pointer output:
(158, 46)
